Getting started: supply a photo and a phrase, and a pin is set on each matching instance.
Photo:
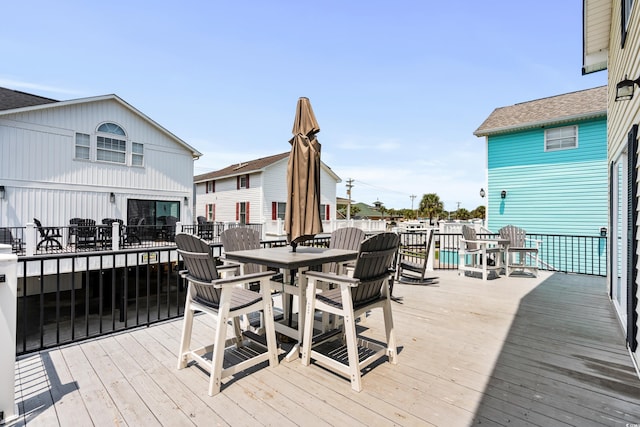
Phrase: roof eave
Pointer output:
(596, 25)
(195, 153)
(541, 123)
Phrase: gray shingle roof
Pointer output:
(584, 104)
(10, 99)
(241, 168)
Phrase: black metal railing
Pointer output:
(565, 253)
(69, 297)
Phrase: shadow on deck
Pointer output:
(563, 360)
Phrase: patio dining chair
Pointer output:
(478, 256)
(344, 238)
(411, 266)
(223, 299)
(367, 289)
(522, 253)
(6, 237)
(48, 236)
(86, 234)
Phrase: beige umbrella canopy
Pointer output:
(302, 216)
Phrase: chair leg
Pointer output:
(185, 340)
(392, 351)
(217, 357)
(268, 323)
(308, 326)
(352, 340)
(237, 330)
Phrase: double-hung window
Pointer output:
(83, 146)
(111, 148)
(564, 138)
(137, 154)
(278, 210)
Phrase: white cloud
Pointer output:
(16, 84)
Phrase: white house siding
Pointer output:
(622, 115)
(43, 180)
(275, 186)
(328, 192)
(265, 187)
(227, 195)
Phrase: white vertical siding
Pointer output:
(42, 178)
(624, 114)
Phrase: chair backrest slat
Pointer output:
(469, 233)
(201, 265)
(515, 235)
(345, 238)
(375, 259)
(6, 236)
(240, 239)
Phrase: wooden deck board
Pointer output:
(511, 351)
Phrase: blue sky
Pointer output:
(398, 88)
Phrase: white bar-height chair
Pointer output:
(223, 299)
(367, 289)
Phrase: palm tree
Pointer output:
(431, 206)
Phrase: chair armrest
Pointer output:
(537, 242)
(332, 278)
(227, 281)
(237, 280)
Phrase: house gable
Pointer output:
(549, 192)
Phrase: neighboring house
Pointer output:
(611, 39)
(547, 164)
(365, 211)
(93, 158)
(256, 192)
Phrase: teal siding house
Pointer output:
(547, 164)
(547, 173)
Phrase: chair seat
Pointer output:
(515, 249)
(411, 266)
(333, 297)
(240, 298)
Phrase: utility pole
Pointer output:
(349, 186)
(413, 196)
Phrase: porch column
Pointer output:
(8, 312)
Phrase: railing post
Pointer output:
(115, 235)
(8, 309)
(30, 239)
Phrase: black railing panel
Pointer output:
(64, 298)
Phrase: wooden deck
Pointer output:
(511, 351)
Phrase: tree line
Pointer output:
(430, 207)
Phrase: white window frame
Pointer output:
(323, 212)
(210, 187)
(243, 182)
(83, 142)
(561, 134)
(110, 150)
(281, 206)
(111, 136)
(137, 155)
(242, 213)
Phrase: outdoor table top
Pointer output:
(285, 258)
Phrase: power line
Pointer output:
(381, 188)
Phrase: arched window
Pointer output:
(111, 149)
(111, 128)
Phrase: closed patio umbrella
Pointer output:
(302, 216)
